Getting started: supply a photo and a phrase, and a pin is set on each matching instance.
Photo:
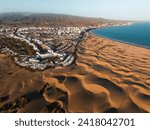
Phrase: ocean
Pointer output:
(137, 33)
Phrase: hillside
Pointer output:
(45, 19)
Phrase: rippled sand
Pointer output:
(107, 76)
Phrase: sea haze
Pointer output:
(137, 33)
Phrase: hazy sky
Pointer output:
(112, 9)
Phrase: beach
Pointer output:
(107, 76)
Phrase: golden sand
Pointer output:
(107, 76)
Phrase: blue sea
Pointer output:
(137, 33)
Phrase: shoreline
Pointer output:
(113, 39)
(122, 42)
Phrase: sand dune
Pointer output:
(107, 76)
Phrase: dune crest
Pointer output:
(108, 76)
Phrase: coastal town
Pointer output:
(51, 46)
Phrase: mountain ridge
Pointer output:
(49, 19)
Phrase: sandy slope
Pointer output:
(108, 76)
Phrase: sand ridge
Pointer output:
(107, 76)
